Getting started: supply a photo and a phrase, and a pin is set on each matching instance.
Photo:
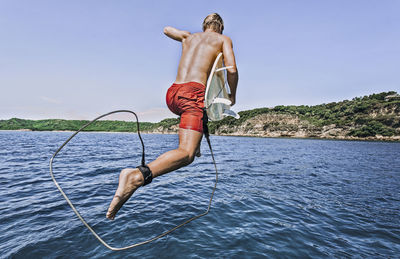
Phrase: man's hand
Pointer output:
(176, 34)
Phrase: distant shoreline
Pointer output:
(368, 139)
(372, 118)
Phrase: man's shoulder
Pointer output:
(219, 36)
(226, 38)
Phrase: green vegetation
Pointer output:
(365, 116)
(369, 115)
(73, 125)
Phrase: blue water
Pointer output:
(276, 198)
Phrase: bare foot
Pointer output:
(129, 181)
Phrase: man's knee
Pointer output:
(191, 157)
(188, 158)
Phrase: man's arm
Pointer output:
(232, 73)
(176, 34)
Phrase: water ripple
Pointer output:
(276, 198)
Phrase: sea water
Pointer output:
(276, 198)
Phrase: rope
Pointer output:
(143, 163)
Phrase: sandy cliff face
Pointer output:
(285, 125)
(280, 125)
(165, 130)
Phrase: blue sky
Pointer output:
(75, 59)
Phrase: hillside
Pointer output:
(376, 116)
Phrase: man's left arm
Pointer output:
(176, 34)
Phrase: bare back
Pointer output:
(199, 51)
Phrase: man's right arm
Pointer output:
(176, 34)
(232, 73)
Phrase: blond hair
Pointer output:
(213, 21)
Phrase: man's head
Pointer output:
(214, 22)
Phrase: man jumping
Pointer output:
(186, 99)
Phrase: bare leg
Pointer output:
(130, 179)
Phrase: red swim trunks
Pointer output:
(187, 101)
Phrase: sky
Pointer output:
(77, 59)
